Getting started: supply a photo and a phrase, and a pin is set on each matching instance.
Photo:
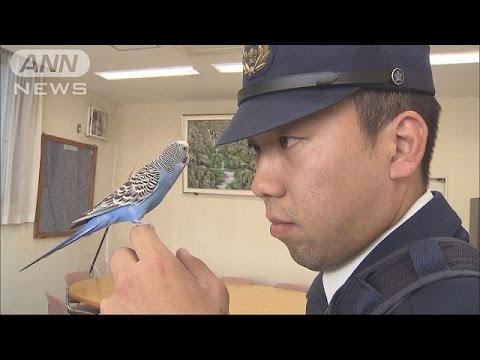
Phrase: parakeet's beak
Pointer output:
(185, 160)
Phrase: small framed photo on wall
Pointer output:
(97, 123)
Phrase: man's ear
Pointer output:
(410, 134)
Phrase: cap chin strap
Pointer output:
(318, 79)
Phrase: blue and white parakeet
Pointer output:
(140, 194)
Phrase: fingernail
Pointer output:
(184, 251)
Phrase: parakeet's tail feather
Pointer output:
(85, 230)
(85, 219)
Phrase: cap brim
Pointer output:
(266, 112)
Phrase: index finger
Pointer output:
(146, 242)
(121, 258)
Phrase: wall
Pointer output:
(456, 155)
(23, 292)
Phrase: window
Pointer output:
(6, 92)
(21, 128)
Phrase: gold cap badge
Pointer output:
(255, 58)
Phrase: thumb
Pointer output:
(196, 267)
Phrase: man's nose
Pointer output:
(269, 177)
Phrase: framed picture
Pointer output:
(226, 169)
(97, 123)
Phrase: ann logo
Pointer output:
(50, 63)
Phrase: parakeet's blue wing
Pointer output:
(132, 192)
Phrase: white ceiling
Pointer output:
(450, 80)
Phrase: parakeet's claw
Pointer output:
(140, 222)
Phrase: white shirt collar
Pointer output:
(332, 280)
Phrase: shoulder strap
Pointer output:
(383, 285)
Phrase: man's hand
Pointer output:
(149, 279)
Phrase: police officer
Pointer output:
(344, 136)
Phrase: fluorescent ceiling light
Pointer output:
(435, 59)
(454, 58)
(148, 73)
(229, 68)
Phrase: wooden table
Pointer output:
(92, 291)
(258, 299)
(244, 299)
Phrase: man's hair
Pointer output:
(376, 109)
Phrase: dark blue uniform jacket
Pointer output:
(448, 296)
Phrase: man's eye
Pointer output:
(255, 148)
(286, 141)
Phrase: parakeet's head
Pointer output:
(175, 153)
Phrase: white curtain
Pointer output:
(21, 126)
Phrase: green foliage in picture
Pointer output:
(224, 167)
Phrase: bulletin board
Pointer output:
(65, 186)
